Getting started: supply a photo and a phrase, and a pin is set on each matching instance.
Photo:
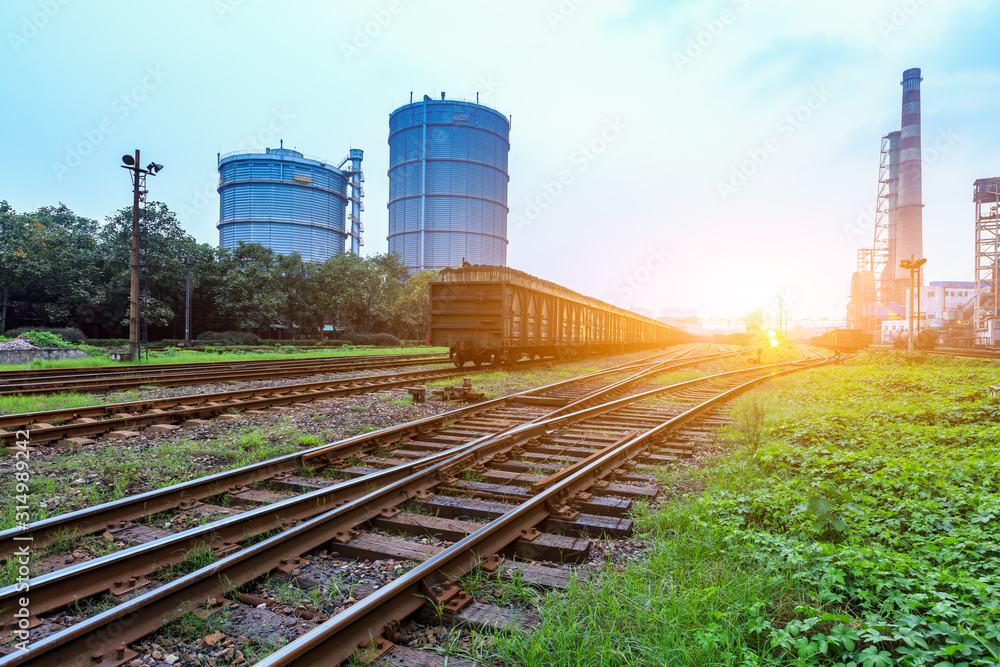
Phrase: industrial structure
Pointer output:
(291, 202)
(986, 320)
(448, 184)
(880, 286)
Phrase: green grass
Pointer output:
(856, 523)
(20, 403)
(201, 357)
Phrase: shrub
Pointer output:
(68, 334)
(385, 340)
(357, 338)
(229, 338)
(107, 342)
(44, 339)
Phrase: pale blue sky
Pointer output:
(667, 121)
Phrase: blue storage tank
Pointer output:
(288, 202)
(448, 184)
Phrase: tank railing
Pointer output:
(259, 151)
(452, 99)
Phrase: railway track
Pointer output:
(116, 378)
(547, 459)
(439, 433)
(76, 426)
(436, 432)
(981, 354)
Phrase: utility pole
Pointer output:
(909, 309)
(188, 262)
(138, 195)
(133, 293)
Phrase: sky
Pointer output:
(706, 154)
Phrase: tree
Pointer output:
(303, 309)
(74, 281)
(414, 301)
(13, 257)
(164, 244)
(383, 280)
(250, 291)
(754, 322)
(48, 257)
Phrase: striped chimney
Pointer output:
(909, 202)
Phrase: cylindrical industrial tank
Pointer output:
(448, 184)
(284, 200)
(926, 340)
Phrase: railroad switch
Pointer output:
(115, 658)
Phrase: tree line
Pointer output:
(61, 269)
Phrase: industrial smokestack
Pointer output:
(909, 204)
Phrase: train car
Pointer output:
(926, 339)
(494, 314)
(843, 340)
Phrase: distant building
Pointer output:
(290, 202)
(944, 305)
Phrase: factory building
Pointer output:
(448, 184)
(945, 306)
(291, 202)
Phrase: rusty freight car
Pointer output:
(493, 314)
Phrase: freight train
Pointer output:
(497, 315)
(842, 340)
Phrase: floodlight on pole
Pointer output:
(138, 196)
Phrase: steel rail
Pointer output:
(182, 378)
(153, 369)
(100, 517)
(63, 586)
(335, 640)
(249, 399)
(147, 612)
